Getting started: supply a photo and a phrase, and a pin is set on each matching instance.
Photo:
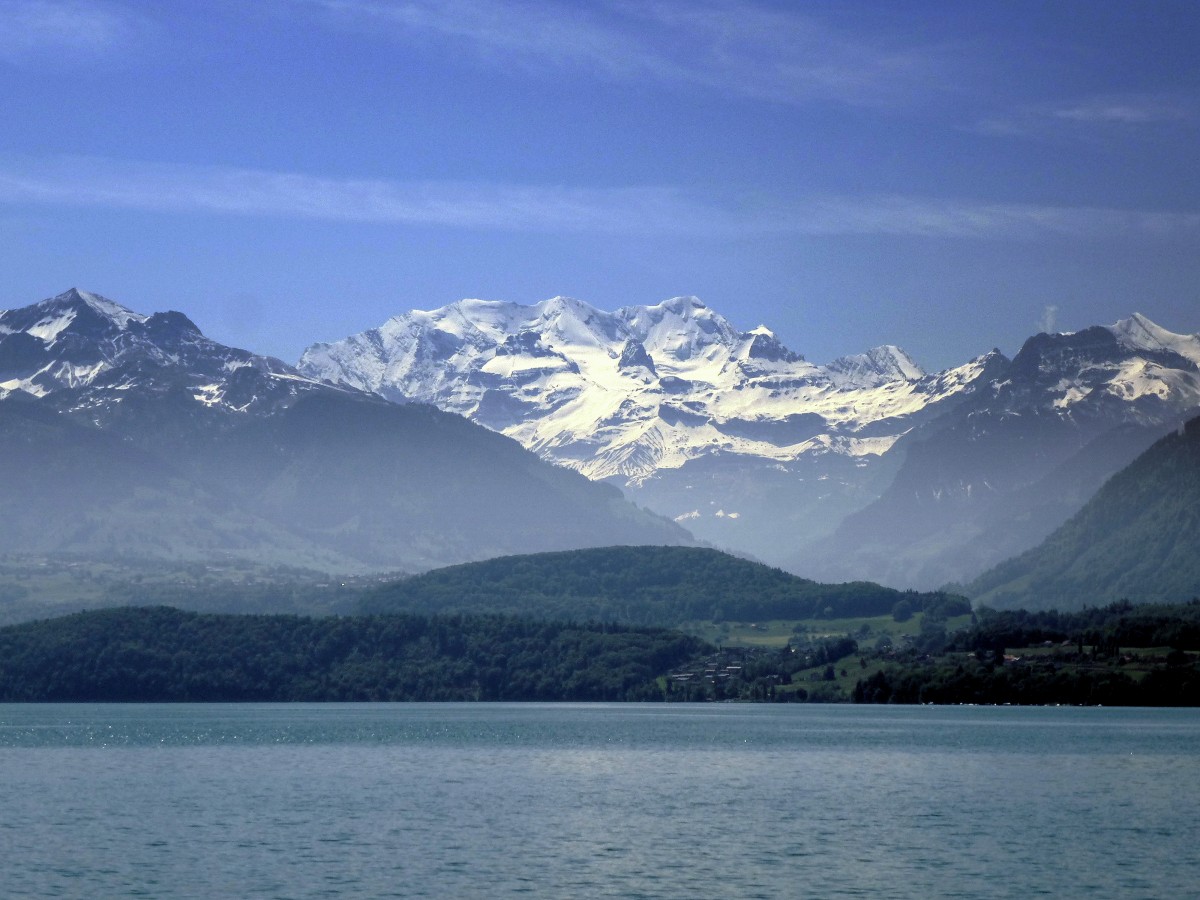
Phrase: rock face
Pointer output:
(136, 435)
(866, 467)
(87, 348)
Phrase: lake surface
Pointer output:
(496, 800)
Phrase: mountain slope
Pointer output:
(91, 492)
(1138, 538)
(139, 436)
(1000, 471)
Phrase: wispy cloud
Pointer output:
(84, 181)
(31, 30)
(637, 210)
(1048, 323)
(1127, 110)
(739, 48)
(956, 218)
(782, 54)
(1086, 115)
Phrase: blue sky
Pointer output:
(945, 176)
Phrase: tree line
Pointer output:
(1116, 655)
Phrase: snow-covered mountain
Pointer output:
(97, 351)
(996, 474)
(754, 447)
(730, 432)
(136, 435)
(630, 393)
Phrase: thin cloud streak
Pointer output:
(82, 181)
(927, 217)
(1127, 110)
(1105, 111)
(638, 210)
(788, 57)
(526, 35)
(31, 30)
(739, 49)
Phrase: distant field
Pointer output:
(777, 633)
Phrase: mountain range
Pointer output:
(1003, 469)
(863, 468)
(137, 436)
(731, 434)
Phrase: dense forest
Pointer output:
(658, 586)
(1034, 683)
(1120, 624)
(1117, 655)
(164, 654)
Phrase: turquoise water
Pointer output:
(474, 800)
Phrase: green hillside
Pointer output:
(1137, 539)
(660, 586)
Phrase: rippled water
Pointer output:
(467, 800)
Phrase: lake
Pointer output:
(561, 800)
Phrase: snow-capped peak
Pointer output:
(877, 366)
(681, 329)
(1139, 333)
(71, 312)
(763, 345)
(574, 323)
(109, 309)
(631, 392)
(96, 351)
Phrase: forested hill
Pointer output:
(660, 586)
(1138, 538)
(164, 654)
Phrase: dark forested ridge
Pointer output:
(164, 654)
(661, 586)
